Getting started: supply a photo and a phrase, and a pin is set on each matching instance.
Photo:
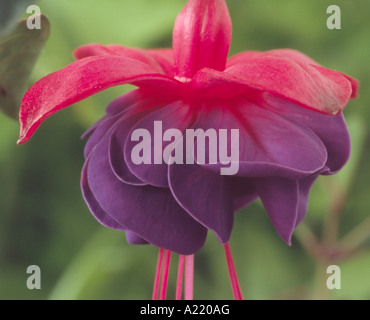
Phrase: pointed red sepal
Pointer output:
(82, 79)
(284, 73)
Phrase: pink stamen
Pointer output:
(180, 273)
(157, 274)
(189, 277)
(232, 272)
(166, 268)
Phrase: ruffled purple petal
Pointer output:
(133, 238)
(332, 130)
(99, 131)
(270, 145)
(243, 192)
(305, 186)
(129, 105)
(176, 116)
(116, 111)
(280, 198)
(117, 159)
(205, 195)
(98, 212)
(151, 213)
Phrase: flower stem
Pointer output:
(157, 274)
(180, 273)
(189, 277)
(166, 268)
(232, 272)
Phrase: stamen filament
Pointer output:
(166, 268)
(157, 274)
(189, 277)
(180, 273)
(232, 272)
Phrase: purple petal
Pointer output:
(243, 192)
(88, 133)
(151, 213)
(133, 238)
(128, 105)
(116, 151)
(98, 131)
(174, 116)
(280, 198)
(304, 190)
(115, 112)
(332, 130)
(95, 208)
(270, 145)
(205, 195)
(100, 214)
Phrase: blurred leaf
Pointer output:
(10, 10)
(87, 265)
(18, 54)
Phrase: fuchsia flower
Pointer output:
(286, 107)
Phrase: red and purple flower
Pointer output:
(286, 107)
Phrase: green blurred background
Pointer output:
(44, 220)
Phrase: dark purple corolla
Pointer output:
(286, 108)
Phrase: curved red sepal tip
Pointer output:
(79, 81)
